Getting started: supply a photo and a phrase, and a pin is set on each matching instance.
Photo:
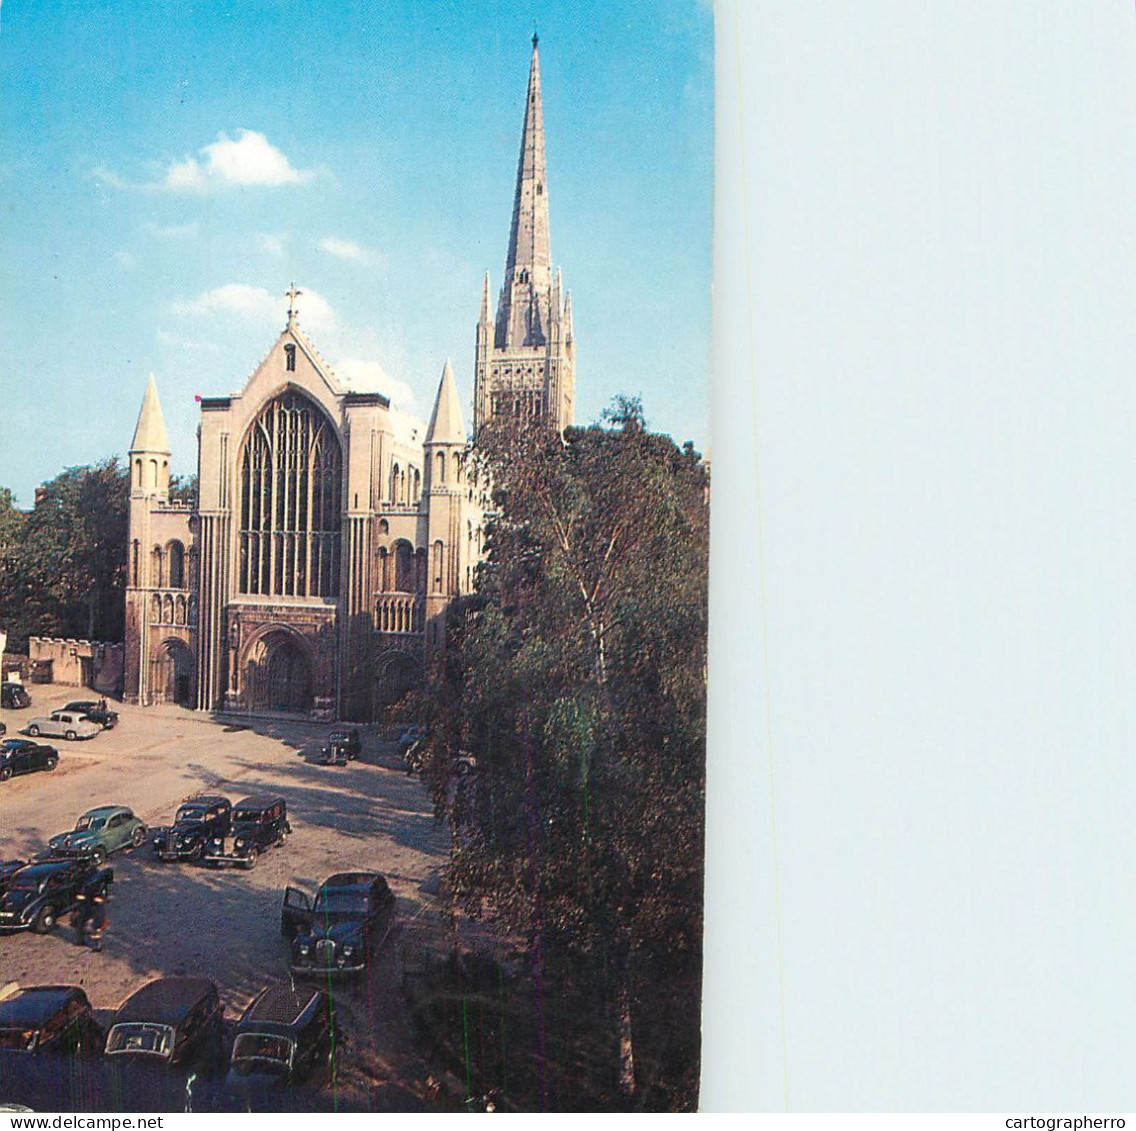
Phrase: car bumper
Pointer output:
(13, 921)
(316, 971)
(225, 859)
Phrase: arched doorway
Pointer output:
(395, 674)
(278, 674)
(173, 673)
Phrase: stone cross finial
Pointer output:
(291, 294)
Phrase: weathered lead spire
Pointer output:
(522, 315)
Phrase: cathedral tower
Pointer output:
(525, 363)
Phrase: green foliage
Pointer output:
(576, 677)
(62, 565)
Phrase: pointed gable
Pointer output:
(446, 423)
(150, 432)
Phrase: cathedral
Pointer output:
(332, 531)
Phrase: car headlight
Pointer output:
(348, 951)
(241, 842)
(304, 948)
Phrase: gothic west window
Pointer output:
(291, 480)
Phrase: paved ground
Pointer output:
(225, 925)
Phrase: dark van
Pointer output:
(169, 1021)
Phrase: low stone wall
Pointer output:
(78, 663)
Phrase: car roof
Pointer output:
(351, 880)
(282, 1004)
(206, 799)
(33, 1005)
(107, 811)
(260, 801)
(164, 1001)
(47, 868)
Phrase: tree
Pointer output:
(576, 676)
(65, 576)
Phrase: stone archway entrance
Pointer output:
(278, 674)
(173, 674)
(395, 674)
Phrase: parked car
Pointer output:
(169, 1021)
(3, 729)
(49, 1019)
(337, 931)
(285, 1036)
(98, 833)
(14, 697)
(348, 739)
(8, 868)
(63, 724)
(19, 756)
(36, 895)
(96, 710)
(198, 820)
(258, 823)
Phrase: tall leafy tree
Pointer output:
(576, 677)
(65, 576)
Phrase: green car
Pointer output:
(99, 832)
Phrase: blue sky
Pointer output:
(167, 169)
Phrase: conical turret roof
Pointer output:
(150, 432)
(446, 423)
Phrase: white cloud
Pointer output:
(248, 160)
(172, 231)
(176, 341)
(315, 313)
(346, 249)
(369, 376)
(271, 242)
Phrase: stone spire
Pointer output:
(446, 423)
(150, 432)
(523, 311)
(485, 300)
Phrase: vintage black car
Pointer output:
(22, 756)
(169, 1021)
(288, 1034)
(339, 930)
(49, 1019)
(36, 895)
(8, 868)
(96, 710)
(259, 823)
(14, 697)
(198, 820)
(347, 740)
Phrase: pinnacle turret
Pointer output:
(150, 432)
(446, 423)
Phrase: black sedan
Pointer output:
(199, 819)
(96, 710)
(37, 895)
(339, 930)
(22, 756)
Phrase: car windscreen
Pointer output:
(11, 744)
(262, 1052)
(189, 814)
(340, 901)
(25, 883)
(140, 1037)
(13, 1038)
(246, 815)
(92, 823)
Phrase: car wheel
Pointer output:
(51, 763)
(70, 736)
(138, 837)
(5, 773)
(44, 921)
(100, 856)
(250, 859)
(33, 731)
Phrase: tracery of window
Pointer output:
(291, 481)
